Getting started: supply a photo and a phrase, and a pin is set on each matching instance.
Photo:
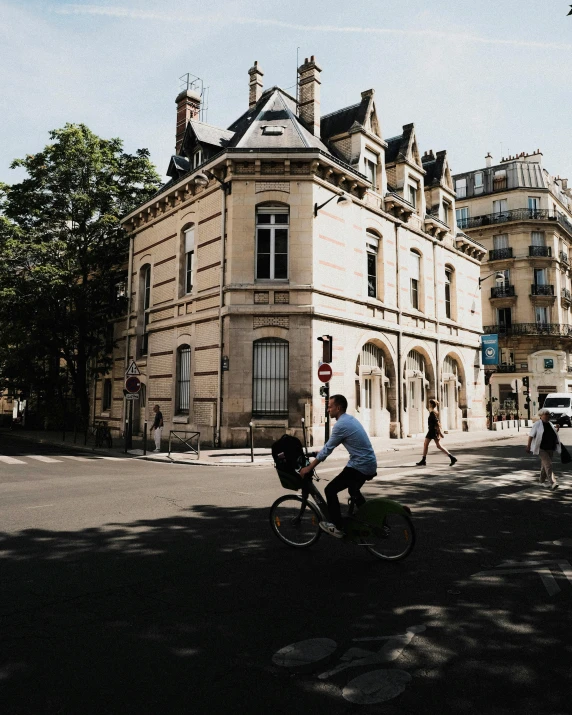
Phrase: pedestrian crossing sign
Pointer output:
(132, 369)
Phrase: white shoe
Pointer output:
(156, 450)
(331, 529)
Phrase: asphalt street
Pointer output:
(128, 586)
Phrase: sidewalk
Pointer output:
(262, 455)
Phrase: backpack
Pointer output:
(288, 455)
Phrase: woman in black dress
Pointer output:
(434, 432)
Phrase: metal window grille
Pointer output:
(450, 366)
(371, 356)
(183, 379)
(415, 361)
(270, 378)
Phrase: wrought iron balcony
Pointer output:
(536, 289)
(517, 215)
(566, 294)
(529, 329)
(498, 254)
(569, 368)
(564, 257)
(506, 368)
(540, 251)
(505, 291)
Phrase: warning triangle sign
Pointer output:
(132, 369)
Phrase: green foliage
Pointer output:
(63, 254)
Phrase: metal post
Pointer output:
(251, 441)
(327, 425)
(490, 406)
(145, 438)
(517, 412)
(304, 433)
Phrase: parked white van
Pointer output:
(559, 404)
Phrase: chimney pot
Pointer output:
(255, 84)
(188, 107)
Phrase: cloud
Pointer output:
(123, 12)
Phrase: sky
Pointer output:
(475, 76)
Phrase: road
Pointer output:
(134, 587)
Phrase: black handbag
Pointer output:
(564, 454)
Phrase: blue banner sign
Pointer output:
(490, 349)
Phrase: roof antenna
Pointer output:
(195, 84)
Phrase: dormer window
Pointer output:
(273, 130)
(412, 193)
(370, 167)
(197, 158)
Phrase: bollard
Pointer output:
(251, 441)
(145, 438)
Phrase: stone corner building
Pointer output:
(247, 255)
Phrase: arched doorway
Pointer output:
(372, 385)
(415, 373)
(449, 413)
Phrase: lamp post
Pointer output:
(343, 200)
(499, 278)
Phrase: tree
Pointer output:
(63, 253)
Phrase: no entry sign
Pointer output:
(133, 384)
(325, 372)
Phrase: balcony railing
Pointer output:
(506, 368)
(540, 251)
(566, 294)
(564, 257)
(498, 254)
(536, 289)
(506, 291)
(517, 215)
(529, 329)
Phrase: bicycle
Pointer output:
(102, 435)
(383, 526)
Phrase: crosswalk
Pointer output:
(58, 458)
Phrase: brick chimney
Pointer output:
(309, 94)
(188, 106)
(254, 84)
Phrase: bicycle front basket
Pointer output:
(289, 479)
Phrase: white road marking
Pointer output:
(542, 568)
(78, 459)
(42, 506)
(41, 458)
(10, 460)
(112, 459)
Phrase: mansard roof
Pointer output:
(436, 169)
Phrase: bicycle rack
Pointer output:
(186, 442)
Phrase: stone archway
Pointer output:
(419, 379)
(375, 388)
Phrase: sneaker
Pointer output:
(331, 529)
(554, 486)
(453, 460)
(156, 450)
(422, 463)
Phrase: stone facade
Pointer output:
(523, 217)
(386, 275)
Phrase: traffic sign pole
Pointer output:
(327, 424)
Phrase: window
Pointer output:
(270, 378)
(541, 315)
(504, 318)
(372, 243)
(146, 304)
(448, 283)
(506, 283)
(446, 212)
(370, 167)
(500, 241)
(461, 188)
(462, 215)
(272, 243)
(507, 356)
(415, 277)
(540, 277)
(538, 238)
(197, 158)
(533, 205)
(183, 380)
(479, 182)
(107, 395)
(412, 194)
(189, 259)
(501, 208)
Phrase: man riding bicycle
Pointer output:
(362, 464)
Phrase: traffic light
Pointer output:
(326, 347)
(525, 381)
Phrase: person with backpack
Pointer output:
(361, 466)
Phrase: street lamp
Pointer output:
(203, 178)
(499, 277)
(342, 200)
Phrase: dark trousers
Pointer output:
(349, 479)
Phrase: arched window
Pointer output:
(415, 279)
(272, 224)
(270, 377)
(183, 395)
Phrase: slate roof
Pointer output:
(207, 134)
(434, 167)
(397, 147)
(178, 166)
(342, 120)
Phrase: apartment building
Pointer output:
(284, 227)
(523, 216)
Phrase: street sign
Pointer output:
(132, 369)
(516, 385)
(325, 372)
(131, 396)
(133, 384)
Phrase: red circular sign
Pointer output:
(325, 372)
(133, 384)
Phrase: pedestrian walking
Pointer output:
(434, 433)
(157, 427)
(543, 440)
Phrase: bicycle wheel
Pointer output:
(294, 525)
(393, 540)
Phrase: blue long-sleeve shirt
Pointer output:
(350, 432)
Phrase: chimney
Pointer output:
(489, 160)
(255, 84)
(188, 106)
(309, 94)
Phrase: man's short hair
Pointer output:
(340, 401)
(543, 411)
